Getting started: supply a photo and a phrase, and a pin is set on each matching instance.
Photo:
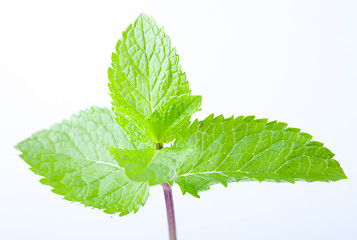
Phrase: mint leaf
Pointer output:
(171, 118)
(149, 165)
(248, 149)
(72, 157)
(145, 77)
(134, 125)
(108, 161)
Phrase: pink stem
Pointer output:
(170, 210)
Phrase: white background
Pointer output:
(292, 61)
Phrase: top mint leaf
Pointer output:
(145, 76)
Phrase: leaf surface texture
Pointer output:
(145, 76)
(248, 149)
(72, 157)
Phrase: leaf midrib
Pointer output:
(73, 158)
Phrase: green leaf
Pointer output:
(144, 79)
(248, 149)
(171, 118)
(72, 157)
(134, 125)
(149, 165)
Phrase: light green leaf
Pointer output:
(135, 125)
(171, 118)
(72, 157)
(149, 165)
(245, 149)
(145, 77)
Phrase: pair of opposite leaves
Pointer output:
(108, 160)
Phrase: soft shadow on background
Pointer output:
(292, 61)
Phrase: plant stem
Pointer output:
(169, 204)
(170, 210)
(159, 146)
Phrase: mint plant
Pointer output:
(108, 159)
